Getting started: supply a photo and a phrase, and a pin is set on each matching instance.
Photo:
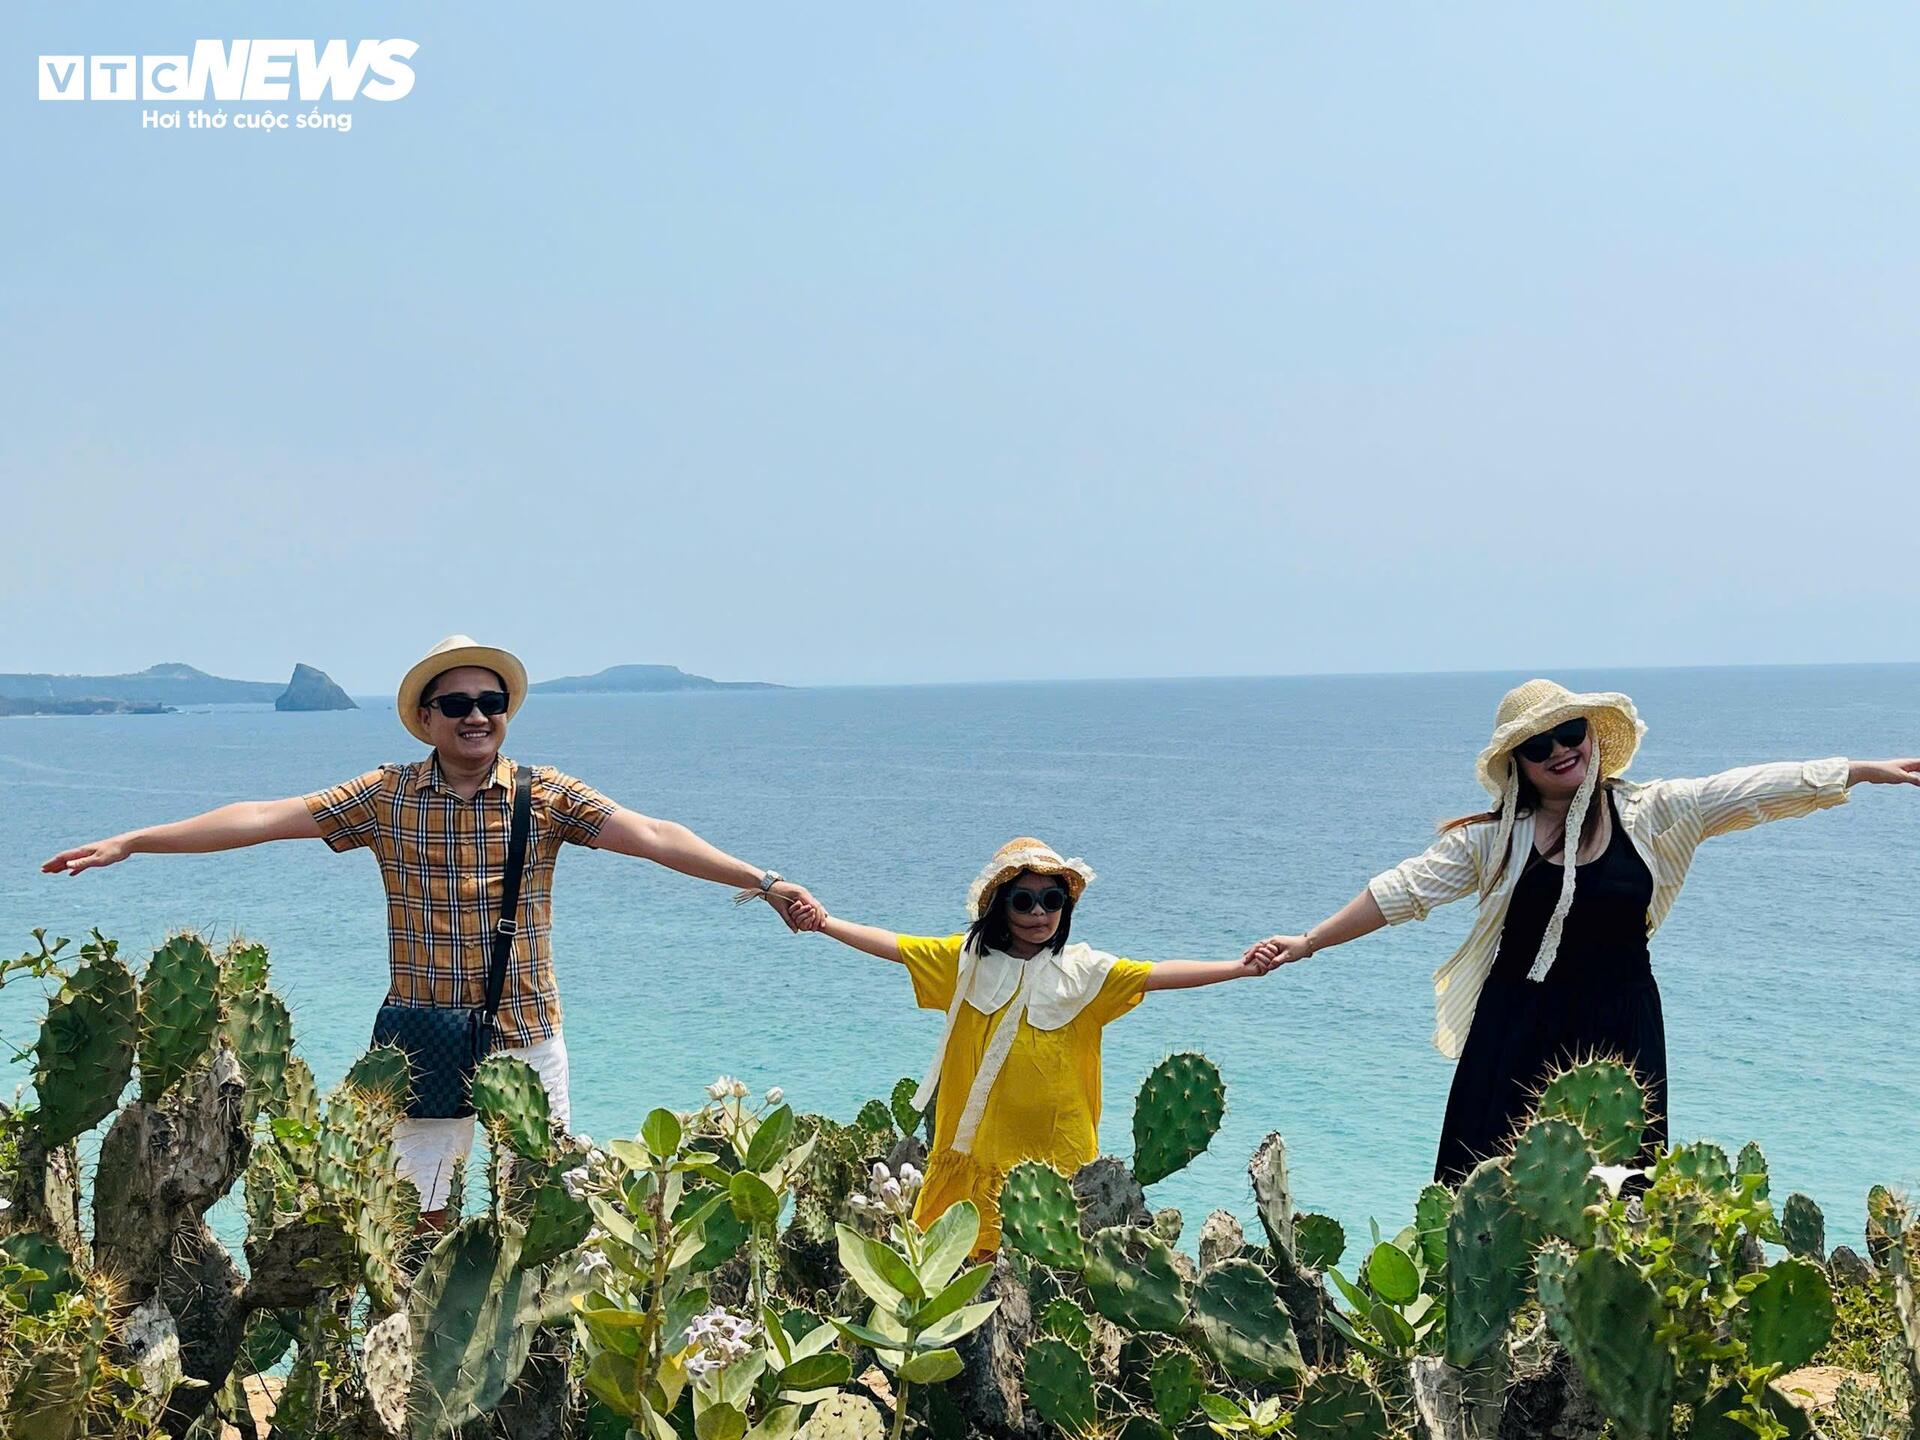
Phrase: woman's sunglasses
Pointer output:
(1538, 747)
(458, 707)
(1024, 902)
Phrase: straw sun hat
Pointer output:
(1613, 726)
(450, 654)
(1025, 853)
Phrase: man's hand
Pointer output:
(806, 915)
(786, 896)
(88, 857)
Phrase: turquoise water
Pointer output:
(1215, 812)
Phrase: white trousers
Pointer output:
(429, 1149)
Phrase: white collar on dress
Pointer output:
(1063, 985)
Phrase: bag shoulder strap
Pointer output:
(508, 926)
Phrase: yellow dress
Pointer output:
(1045, 1103)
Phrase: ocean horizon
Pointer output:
(1215, 810)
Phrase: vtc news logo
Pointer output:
(238, 70)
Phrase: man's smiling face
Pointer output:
(473, 738)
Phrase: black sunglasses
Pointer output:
(458, 707)
(1024, 902)
(1538, 747)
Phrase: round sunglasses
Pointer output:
(1024, 902)
(1538, 747)
(458, 707)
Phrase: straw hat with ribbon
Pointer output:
(1025, 853)
(450, 654)
(1613, 726)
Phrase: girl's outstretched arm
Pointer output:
(881, 944)
(1191, 974)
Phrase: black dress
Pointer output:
(1598, 999)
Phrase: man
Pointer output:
(439, 828)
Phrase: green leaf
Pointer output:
(1222, 1409)
(816, 1372)
(660, 1133)
(1392, 1274)
(861, 1335)
(949, 1243)
(952, 1298)
(753, 1199)
(931, 1367)
(629, 1154)
(875, 1267)
(770, 1139)
(719, 1422)
(779, 1424)
(962, 1322)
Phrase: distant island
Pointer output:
(636, 679)
(161, 688)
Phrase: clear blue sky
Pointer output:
(850, 343)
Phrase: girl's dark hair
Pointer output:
(427, 690)
(1526, 802)
(993, 931)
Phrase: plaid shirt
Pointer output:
(444, 861)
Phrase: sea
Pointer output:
(1215, 812)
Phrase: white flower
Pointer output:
(5, 1204)
(880, 1173)
(583, 1141)
(1614, 1176)
(738, 1090)
(592, 1264)
(909, 1176)
(776, 1095)
(575, 1182)
(723, 1087)
(595, 1235)
(698, 1364)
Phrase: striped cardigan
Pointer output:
(1665, 819)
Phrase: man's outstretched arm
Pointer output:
(668, 843)
(231, 827)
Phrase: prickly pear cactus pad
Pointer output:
(1133, 1281)
(179, 1007)
(556, 1221)
(382, 1071)
(1175, 1115)
(1804, 1228)
(464, 1322)
(1064, 1320)
(1060, 1386)
(1238, 1319)
(1272, 1196)
(1606, 1102)
(1609, 1317)
(1553, 1180)
(512, 1104)
(1551, 1266)
(1318, 1241)
(84, 1055)
(243, 966)
(1177, 1384)
(1039, 1216)
(1752, 1163)
(1886, 1221)
(1339, 1406)
(901, 1104)
(387, 1362)
(259, 1031)
(1489, 1262)
(1789, 1314)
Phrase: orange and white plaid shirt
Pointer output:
(444, 862)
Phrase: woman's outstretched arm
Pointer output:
(881, 944)
(1361, 915)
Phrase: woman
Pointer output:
(1017, 1071)
(1575, 868)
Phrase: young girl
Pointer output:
(1017, 1071)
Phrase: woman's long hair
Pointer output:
(1525, 802)
(993, 931)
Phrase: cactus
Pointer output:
(1753, 1163)
(1887, 1219)
(1175, 1115)
(464, 1319)
(1039, 1216)
(301, 1102)
(243, 967)
(382, 1071)
(1272, 1195)
(1606, 1102)
(1238, 1319)
(1789, 1314)
(1060, 1386)
(556, 1222)
(1488, 1262)
(386, 1361)
(1134, 1282)
(513, 1105)
(874, 1115)
(179, 1006)
(1177, 1384)
(1700, 1161)
(85, 1052)
(1803, 1228)
(900, 1103)
(843, 1417)
(1432, 1215)
(1552, 1264)
(1318, 1241)
(34, 1251)
(1340, 1406)
(1553, 1181)
(259, 1031)
(1607, 1315)
(1064, 1320)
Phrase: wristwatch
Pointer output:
(768, 879)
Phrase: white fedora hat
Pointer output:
(450, 654)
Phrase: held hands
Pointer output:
(87, 857)
(1277, 950)
(806, 915)
(1884, 772)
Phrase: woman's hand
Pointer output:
(1884, 772)
(88, 857)
(1278, 950)
(807, 914)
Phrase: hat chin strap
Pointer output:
(1509, 808)
(1576, 822)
